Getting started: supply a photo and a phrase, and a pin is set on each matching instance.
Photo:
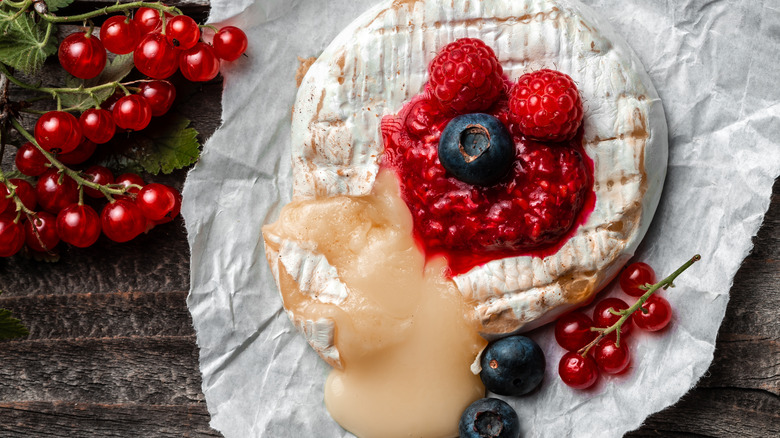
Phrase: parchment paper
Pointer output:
(714, 64)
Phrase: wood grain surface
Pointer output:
(112, 352)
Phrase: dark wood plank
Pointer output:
(159, 370)
(88, 419)
(100, 316)
(158, 261)
(717, 413)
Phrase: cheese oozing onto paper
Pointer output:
(402, 339)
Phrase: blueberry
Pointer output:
(512, 366)
(477, 149)
(489, 418)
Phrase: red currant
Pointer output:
(610, 358)
(30, 161)
(11, 237)
(156, 201)
(78, 225)
(53, 195)
(41, 232)
(132, 112)
(577, 371)
(98, 175)
(156, 57)
(174, 211)
(58, 132)
(659, 313)
(230, 43)
(26, 194)
(159, 94)
(602, 317)
(122, 220)
(79, 155)
(128, 179)
(572, 331)
(199, 64)
(635, 275)
(120, 34)
(97, 125)
(82, 55)
(148, 20)
(182, 32)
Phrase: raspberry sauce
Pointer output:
(532, 211)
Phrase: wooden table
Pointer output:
(112, 352)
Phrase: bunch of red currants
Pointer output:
(576, 331)
(52, 209)
(161, 44)
(60, 213)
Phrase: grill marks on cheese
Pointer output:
(404, 333)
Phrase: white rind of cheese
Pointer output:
(317, 279)
(380, 61)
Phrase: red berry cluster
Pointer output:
(576, 332)
(74, 140)
(161, 43)
(544, 105)
(53, 208)
(531, 208)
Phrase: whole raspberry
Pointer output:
(546, 105)
(466, 76)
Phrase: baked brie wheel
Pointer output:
(380, 61)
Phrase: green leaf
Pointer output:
(11, 327)
(25, 44)
(116, 69)
(55, 5)
(167, 144)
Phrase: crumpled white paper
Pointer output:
(713, 63)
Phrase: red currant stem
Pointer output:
(20, 207)
(209, 26)
(65, 170)
(55, 92)
(33, 218)
(95, 99)
(124, 89)
(603, 332)
(70, 109)
(163, 21)
(110, 9)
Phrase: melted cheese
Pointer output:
(403, 335)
